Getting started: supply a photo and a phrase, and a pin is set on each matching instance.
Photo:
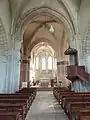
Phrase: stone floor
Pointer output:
(45, 107)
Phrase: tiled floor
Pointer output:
(45, 107)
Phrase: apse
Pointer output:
(43, 64)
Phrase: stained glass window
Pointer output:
(43, 63)
(49, 62)
(36, 62)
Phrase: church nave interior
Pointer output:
(44, 59)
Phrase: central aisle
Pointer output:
(45, 107)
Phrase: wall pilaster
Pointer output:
(13, 70)
(61, 73)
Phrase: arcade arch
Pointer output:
(36, 26)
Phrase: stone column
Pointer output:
(53, 63)
(61, 73)
(28, 71)
(24, 71)
(35, 63)
(40, 63)
(77, 44)
(13, 64)
(47, 63)
(58, 73)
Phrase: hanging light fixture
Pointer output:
(51, 28)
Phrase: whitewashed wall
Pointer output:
(84, 29)
(7, 80)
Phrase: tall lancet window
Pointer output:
(55, 63)
(36, 62)
(49, 62)
(43, 63)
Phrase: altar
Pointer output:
(44, 82)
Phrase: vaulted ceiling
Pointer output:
(38, 29)
(43, 48)
(18, 6)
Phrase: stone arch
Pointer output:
(64, 9)
(42, 39)
(70, 14)
(35, 12)
(20, 25)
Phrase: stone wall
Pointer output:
(9, 55)
(84, 29)
(3, 58)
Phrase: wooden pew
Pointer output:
(58, 95)
(14, 101)
(73, 105)
(14, 96)
(27, 91)
(18, 103)
(73, 95)
(83, 114)
(18, 96)
(74, 99)
(84, 117)
(6, 115)
(56, 91)
(63, 94)
(18, 107)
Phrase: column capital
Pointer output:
(77, 36)
(26, 61)
(62, 62)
